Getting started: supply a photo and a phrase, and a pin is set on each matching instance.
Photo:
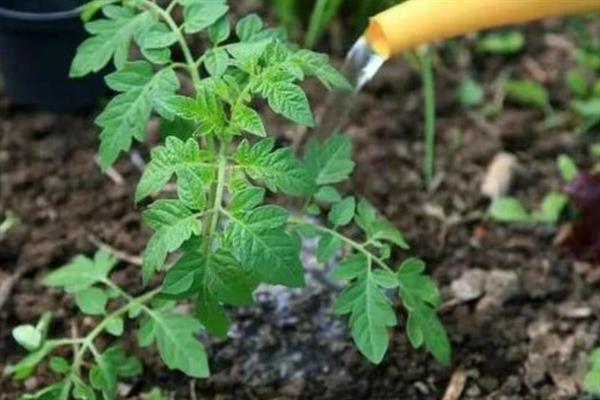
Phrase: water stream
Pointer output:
(361, 65)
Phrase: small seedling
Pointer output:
(584, 80)
(591, 381)
(501, 42)
(470, 93)
(8, 222)
(528, 93)
(224, 236)
(512, 210)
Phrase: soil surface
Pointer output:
(521, 314)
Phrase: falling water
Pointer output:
(361, 65)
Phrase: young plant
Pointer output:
(584, 80)
(226, 238)
(591, 381)
(322, 12)
(511, 210)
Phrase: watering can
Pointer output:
(416, 22)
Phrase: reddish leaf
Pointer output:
(584, 240)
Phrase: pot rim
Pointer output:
(39, 17)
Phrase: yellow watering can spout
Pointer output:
(416, 22)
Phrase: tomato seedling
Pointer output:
(226, 238)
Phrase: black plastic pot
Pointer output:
(38, 39)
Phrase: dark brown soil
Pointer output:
(526, 337)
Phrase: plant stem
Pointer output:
(322, 13)
(187, 54)
(216, 195)
(87, 343)
(355, 245)
(429, 95)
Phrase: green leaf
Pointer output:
(552, 207)
(178, 127)
(91, 301)
(342, 212)
(377, 227)
(509, 209)
(502, 43)
(279, 169)
(371, 315)
(115, 326)
(588, 109)
(247, 199)
(82, 272)
(591, 382)
(329, 245)
(246, 119)
(103, 377)
(567, 167)
(155, 394)
(288, 100)
(226, 280)
(425, 325)
(385, 279)
(26, 366)
(51, 392)
(420, 297)
(175, 337)
(330, 161)
(124, 366)
(126, 115)
(190, 189)
(212, 315)
(317, 65)
(577, 82)
(110, 365)
(180, 278)
(216, 61)
(173, 224)
(414, 286)
(352, 267)
(91, 8)
(594, 359)
(470, 93)
(219, 31)
(156, 36)
(175, 157)
(248, 54)
(81, 391)
(328, 194)
(248, 27)
(59, 365)
(527, 93)
(220, 274)
(200, 14)
(206, 109)
(28, 337)
(111, 39)
(271, 252)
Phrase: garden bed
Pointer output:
(526, 336)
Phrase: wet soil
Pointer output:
(524, 334)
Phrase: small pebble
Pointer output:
(469, 286)
(499, 176)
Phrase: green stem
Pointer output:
(88, 342)
(216, 196)
(355, 245)
(429, 95)
(187, 54)
(322, 13)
